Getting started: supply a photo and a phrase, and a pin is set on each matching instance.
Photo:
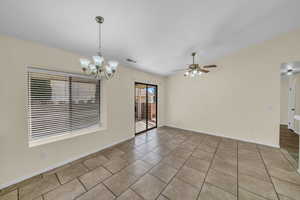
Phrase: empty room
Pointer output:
(149, 100)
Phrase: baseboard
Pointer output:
(225, 136)
(59, 164)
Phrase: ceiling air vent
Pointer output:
(130, 60)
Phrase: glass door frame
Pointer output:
(156, 103)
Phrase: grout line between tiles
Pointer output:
(58, 179)
(210, 164)
(268, 173)
(167, 184)
(288, 159)
(82, 184)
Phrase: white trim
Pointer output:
(298, 170)
(59, 164)
(66, 135)
(234, 138)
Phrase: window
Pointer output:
(61, 103)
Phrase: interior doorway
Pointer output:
(145, 107)
(290, 108)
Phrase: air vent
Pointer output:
(130, 60)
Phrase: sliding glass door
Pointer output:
(145, 107)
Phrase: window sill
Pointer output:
(73, 134)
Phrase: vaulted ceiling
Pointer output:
(159, 35)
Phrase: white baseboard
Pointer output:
(225, 136)
(59, 164)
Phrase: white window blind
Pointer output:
(59, 103)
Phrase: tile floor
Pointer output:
(169, 164)
(289, 141)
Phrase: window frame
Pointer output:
(101, 126)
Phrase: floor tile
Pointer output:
(223, 181)
(224, 166)
(227, 158)
(94, 177)
(152, 158)
(120, 182)
(277, 160)
(207, 148)
(247, 146)
(115, 165)
(112, 153)
(180, 152)
(129, 195)
(37, 188)
(202, 155)
(163, 150)
(289, 176)
(246, 195)
(259, 187)
(255, 172)
(173, 161)
(197, 164)
(138, 168)
(99, 192)
(13, 195)
(67, 191)
(287, 189)
(210, 192)
(71, 173)
(178, 190)
(191, 176)
(131, 156)
(95, 162)
(161, 197)
(164, 172)
(282, 197)
(148, 187)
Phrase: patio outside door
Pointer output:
(145, 107)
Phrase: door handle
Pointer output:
(293, 109)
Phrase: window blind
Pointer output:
(59, 103)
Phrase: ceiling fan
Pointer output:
(196, 69)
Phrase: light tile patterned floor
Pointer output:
(169, 164)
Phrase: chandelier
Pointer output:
(99, 67)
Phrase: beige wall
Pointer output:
(284, 88)
(241, 99)
(17, 160)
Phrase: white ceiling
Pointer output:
(159, 34)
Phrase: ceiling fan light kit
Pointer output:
(99, 67)
(195, 69)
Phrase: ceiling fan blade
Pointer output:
(203, 70)
(209, 66)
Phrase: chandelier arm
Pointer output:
(99, 50)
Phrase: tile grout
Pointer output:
(210, 165)
(268, 173)
(161, 193)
